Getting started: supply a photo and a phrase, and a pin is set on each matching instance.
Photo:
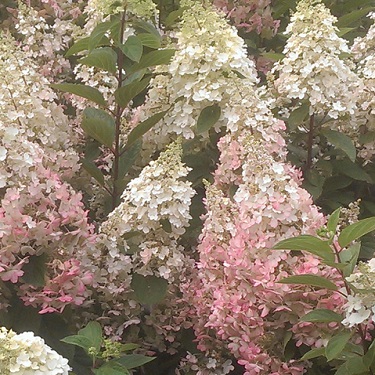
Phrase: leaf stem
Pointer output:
(118, 112)
(310, 141)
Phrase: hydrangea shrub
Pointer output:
(151, 174)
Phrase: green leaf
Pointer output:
(128, 158)
(132, 48)
(341, 141)
(93, 332)
(353, 170)
(345, 30)
(99, 125)
(129, 346)
(97, 34)
(314, 353)
(144, 127)
(369, 357)
(353, 366)
(134, 360)
(125, 94)
(153, 58)
(333, 220)
(337, 344)
(350, 257)
(83, 45)
(298, 116)
(104, 58)
(94, 171)
(208, 118)
(322, 316)
(311, 280)
(149, 289)
(174, 16)
(112, 368)
(78, 340)
(353, 17)
(146, 26)
(150, 40)
(84, 91)
(273, 56)
(35, 270)
(307, 243)
(356, 230)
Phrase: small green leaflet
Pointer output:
(342, 142)
(208, 118)
(100, 125)
(148, 289)
(97, 34)
(84, 91)
(307, 243)
(322, 316)
(112, 368)
(144, 127)
(125, 94)
(104, 58)
(356, 230)
(149, 40)
(311, 280)
(78, 340)
(337, 344)
(93, 332)
(131, 361)
(93, 170)
(153, 58)
(313, 353)
(333, 220)
(132, 48)
(298, 116)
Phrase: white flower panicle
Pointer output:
(140, 8)
(26, 354)
(32, 126)
(360, 306)
(363, 50)
(157, 194)
(312, 68)
(210, 57)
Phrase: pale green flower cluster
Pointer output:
(361, 305)
(26, 354)
(313, 68)
(140, 8)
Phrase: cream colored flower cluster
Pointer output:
(209, 59)
(157, 194)
(140, 8)
(312, 68)
(45, 42)
(26, 354)
(364, 53)
(32, 126)
(360, 306)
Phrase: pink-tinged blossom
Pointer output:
(255, 201)
(250, 15)
(41, 214)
